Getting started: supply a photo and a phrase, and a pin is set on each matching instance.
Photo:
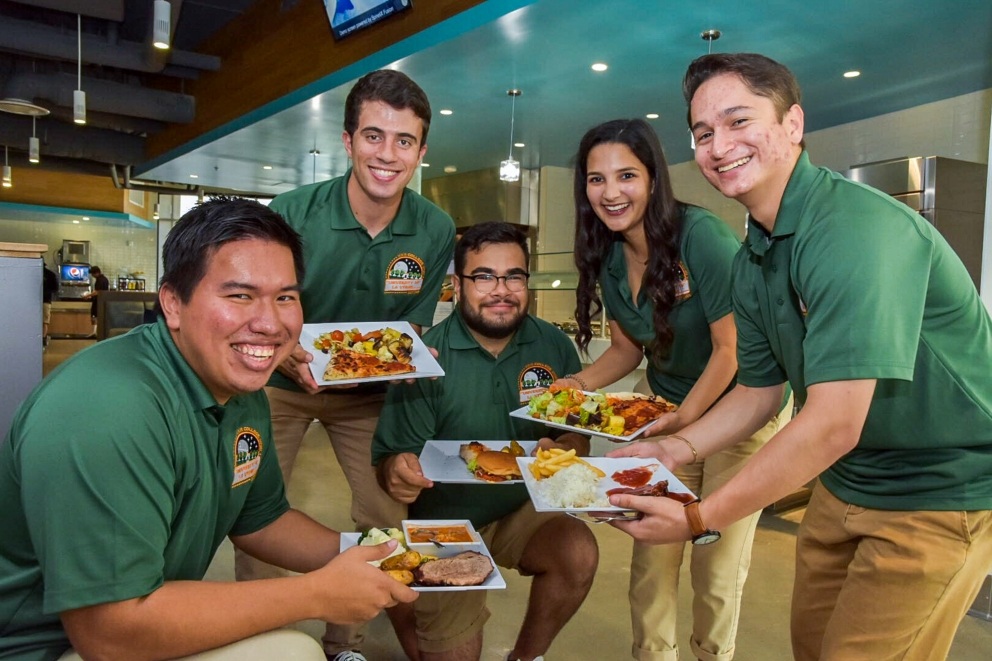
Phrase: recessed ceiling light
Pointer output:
(445, 111)
(266, 167)
(852, 74)
(425, 165)
(194, 176)
(599, 66)
(86, 217)
(519, 145)
(450, 168)
(75, 222)
(652, 115)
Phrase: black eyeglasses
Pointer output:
(486, 282)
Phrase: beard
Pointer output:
(493, 328)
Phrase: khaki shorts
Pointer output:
(446, 620)
(46, 313)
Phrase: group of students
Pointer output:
(839, 296)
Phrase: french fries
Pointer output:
(548, 462)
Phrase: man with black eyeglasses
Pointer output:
(495, 356)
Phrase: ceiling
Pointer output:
(909, 52)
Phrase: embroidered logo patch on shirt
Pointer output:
(682, 290)
(405, 275)
(534, 379)
(247, 456)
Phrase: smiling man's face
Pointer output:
(243, 318)
(743, 148)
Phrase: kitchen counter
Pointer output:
(70, 319)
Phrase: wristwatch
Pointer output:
(700, 533)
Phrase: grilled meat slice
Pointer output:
(467, 568)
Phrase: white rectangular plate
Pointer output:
(522, 413)
(441, 462)
(609, 466)
(494, 582)
(409, 524)
(421, 357)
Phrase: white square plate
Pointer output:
(494, 582)
(441, 462)
(420, 358)
(608, 465)
(522, 413)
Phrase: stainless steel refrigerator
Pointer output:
(947, 192)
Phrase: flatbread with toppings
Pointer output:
(356, 355)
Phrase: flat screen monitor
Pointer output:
(75, 273)
(348, 16)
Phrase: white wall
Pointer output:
(115, 249)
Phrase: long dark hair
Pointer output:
(662, 225)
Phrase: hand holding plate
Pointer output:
(662, 520)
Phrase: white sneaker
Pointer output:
(347, 655)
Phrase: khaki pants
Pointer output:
(447, 620)
(283, 644)
(718, 570)
(877, 584)
(350, 422)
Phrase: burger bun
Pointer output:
(502, 464)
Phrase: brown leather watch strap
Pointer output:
(694, 518)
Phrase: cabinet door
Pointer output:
(20, 341)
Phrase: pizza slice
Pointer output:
(350, 364)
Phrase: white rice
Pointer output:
(571, 487)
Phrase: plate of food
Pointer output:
(367, 351)
(560, 481)
(621, 416)
(454, 567)
(474, 462)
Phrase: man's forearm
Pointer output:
(185, 617)
(313, 545)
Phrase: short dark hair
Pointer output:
(479, 235)
(393, 88)
(762, 75)
(209, 225)
(95, 270)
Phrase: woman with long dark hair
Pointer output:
(662, 268)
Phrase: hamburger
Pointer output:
(490, 465)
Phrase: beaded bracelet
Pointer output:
(695, 455)
(577, 380)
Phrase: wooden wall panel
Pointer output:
(62, 189)
(269, 52)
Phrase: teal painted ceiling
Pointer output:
(909, 52)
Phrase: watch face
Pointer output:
(707, 537)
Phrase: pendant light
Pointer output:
(8, 178)
(79, 96)
(34, 145)
(162, 24)
(509, 170)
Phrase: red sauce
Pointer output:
(633, 477)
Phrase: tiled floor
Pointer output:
(601, 628)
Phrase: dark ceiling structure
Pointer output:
(49, 48)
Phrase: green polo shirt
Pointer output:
(350, 276)
(707, 251)
(472, 402)
(121, 472)
(854, 285)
